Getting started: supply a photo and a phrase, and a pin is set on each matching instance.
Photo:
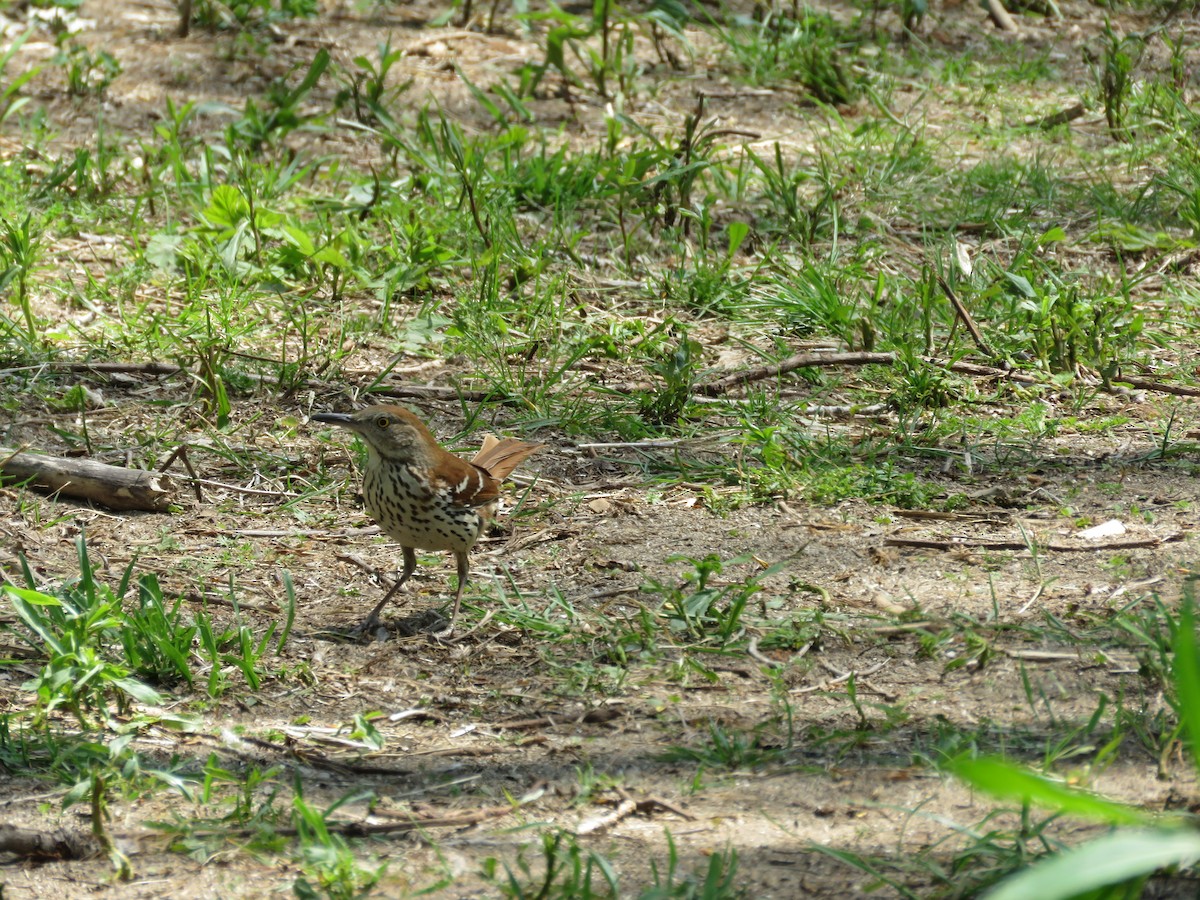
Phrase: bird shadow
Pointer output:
(430, 622)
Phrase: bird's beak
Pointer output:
(342, 420)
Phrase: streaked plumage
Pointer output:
(422, 496)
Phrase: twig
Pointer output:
(181, 454)
(1062, 117)
(466, 634)
(361, 829)
(1032, 600)
(330, 533)
(1145, 384)
(999, 15)
(798, 361)
(753, 651)
(1041, 655)
(259, 492)
(846, 409)
(839, 677)
(871, 686)
(651, 802)
(906, 628)
(965, 318)
(800, 654)
(123, 368)
(633, 445)
(956, 543)
(623, 810)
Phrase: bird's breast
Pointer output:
(413, 512)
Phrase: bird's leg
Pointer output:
(410, 566)
(464, 573)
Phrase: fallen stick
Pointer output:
(597, 823)
(957, 543)
(999, 15)
(28, 844)
(965, 318)
(1062, 117)
(798, 361)
(363, 829)
(113, 486)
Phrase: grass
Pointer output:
(333, 236)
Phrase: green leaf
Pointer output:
(227, 207)
(1021, 283)
(35, 598)
(162, 251)
(1109, 860)
(77, 792)
(1008, 781)
(319, 64)
(143, 693)
(300, 239)
(1187, 674)
(737, 232)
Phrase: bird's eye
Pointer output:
(382, 423)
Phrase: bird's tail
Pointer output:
(499, 456)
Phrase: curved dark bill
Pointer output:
(342, 419)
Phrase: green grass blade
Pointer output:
(1008, 781)
(1109, 860)
(1187, 674)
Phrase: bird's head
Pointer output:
(390, 432)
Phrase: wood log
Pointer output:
(999, 15)
(113, 486)
(43, 845)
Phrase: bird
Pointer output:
(421, 495)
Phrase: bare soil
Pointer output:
(473, 725)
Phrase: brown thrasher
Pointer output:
(422, 496)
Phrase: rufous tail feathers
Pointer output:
(499, 456)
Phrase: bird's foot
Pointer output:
(444, 637)
(369, 629)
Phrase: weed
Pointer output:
(809, 50)
(615, 29)
(326, 856)
(87, 72)
(366, 86)
(73, 630)
(242, 14)
(726, 751)
(678, 370)
(11, 100)
(1113, 71)
(19, 245)
(702, 611)
(262, 126)
(567, 871)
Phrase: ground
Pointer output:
(495, 737)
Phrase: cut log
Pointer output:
(113, 486)
(43, 845)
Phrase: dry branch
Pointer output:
(958, 543)
(1146, 384)
(623, 810)
(798, 361)
(999, 15)
(965, 317)
(28, 844)
(113, 486)
(1062, 117)
(363, 829)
